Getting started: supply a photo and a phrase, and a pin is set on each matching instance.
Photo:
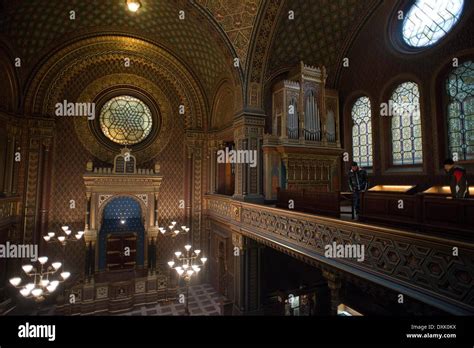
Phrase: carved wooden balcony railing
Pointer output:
(435, 270)
(9, 211)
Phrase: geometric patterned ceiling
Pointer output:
(35, 27)
(318, 35)
(237, 19)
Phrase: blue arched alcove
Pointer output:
(121, 215)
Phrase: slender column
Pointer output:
(46, 187)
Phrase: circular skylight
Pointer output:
(125, 120)
(428, 21)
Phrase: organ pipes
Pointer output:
(312, 119)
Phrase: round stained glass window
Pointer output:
(428, 21)
(125, 120)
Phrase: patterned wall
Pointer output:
(317, 35)
(236, 18)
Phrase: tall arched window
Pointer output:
(428, 21)
(404, 108)
(460, 88)
(362, 132)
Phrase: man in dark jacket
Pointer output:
(357, 183)
(457, 179)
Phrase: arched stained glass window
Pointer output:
(428, 21)
(362, 132)
(125, 120)
(460, 88)
(407, 145)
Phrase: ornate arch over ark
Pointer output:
(82, 59)
(83, 69)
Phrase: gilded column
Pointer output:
(248, 137)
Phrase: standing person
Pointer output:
(357, 183)
(457, 179)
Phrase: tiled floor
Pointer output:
(203, 300)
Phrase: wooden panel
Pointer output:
(390, 208)
(324, 203)
(116, 257)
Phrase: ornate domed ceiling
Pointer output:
(37, 27)
(212, 34)
(320, 34)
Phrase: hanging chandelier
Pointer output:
(41, 282)
(187, 264)
(173, 230)
(63, 239)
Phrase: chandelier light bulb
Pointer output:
(178, 253)
(80, 232)
(183, 228)
(68, 232)
(189, 272)
(185, 266)
(65, 228)
(25, 292)
(197, 251)
(176, 232)
(171, 264)
(43, 259)
(78, 236)
(61, 238)
(30, 286)
(50, 288)
(27, 268)
(173, 223)
(47, 238)
(187, 247)
(133, 5)
(51, 234)
(54, 283)
(37, 292)
(56, 265)
(170, 227)
(44, 282)
(203, 260)
(15, 281)
(180, 271)
(65, 275)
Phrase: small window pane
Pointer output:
(362, 132)
(406, 125)
(460, 113)
(125, 120)
(428, 21)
